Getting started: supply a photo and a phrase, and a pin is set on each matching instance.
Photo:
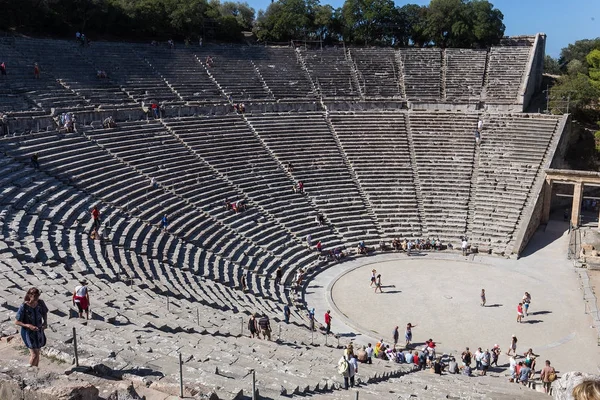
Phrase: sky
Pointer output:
(562, 21)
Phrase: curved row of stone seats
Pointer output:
(422, 72)
(234, 69)
(90, 255)
(379, 74)
(66, 62)
(444, 147)
(17, 81)
(183, 73)
(229, 146)
(465, 71)
(425, 385)
(306, 141)
(376, 144)
(506, 68)
(44, 93)
(252, 224)
(134, 75)
(512, 150)
(131, 330)
(283, 73)
(59, 163)
(209, 233)
(331, 71)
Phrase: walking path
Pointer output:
(439, 292)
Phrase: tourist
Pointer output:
(369, 350)
(512, 367)
(453, 366)
(396, 336)
(466, 358)
(526, 302)
(252, 326)
(465, 246)
(478, 354)
(81, 299)
(319, 246)
(495, 355)
(265, 327)
(587, 390)
(524, 373)
(165, 222)
(353, 359)
(4, 123)
(321, 219)
(373, 276)
(3, 68)
(286, 313)
(485, 362)
(477, 137)
(328, 322)
(153, 183)
(36, 71)
(548, 375)
(467, 371)
(345, 369)
(437, 366)
(311, 318)
(378, 284)
(243, 283)
(300, 187)
(34, 160)
(96, 218)
(479, 125)
(32, 317)
(482, 297)
(278, 275)
(513, 346)
(361, 354)
(309, 240)
(519, 312)
(408, 333)
(349, 350)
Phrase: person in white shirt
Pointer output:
(81, 299)
(369, 350)
(479, 125)
(465, 246)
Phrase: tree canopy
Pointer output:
(132, 19)
(455, 23)
(444, 23)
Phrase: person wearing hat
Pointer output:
(81, 299)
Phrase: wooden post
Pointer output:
(180, 376)
(75, 347)
(253, 385)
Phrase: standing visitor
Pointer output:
(328, 322)
(81, 299)
(548, 375)
(482, 297)
(513, 346)
(519, 312)
(32, 317)
(408, 333)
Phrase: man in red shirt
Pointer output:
(96, 217)
(328, 321)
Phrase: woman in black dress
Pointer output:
(32, 317)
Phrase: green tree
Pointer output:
(286, 19)
(578, 50)
(487, 25)
(593, 59)
(368, 21)
(446, 24)
(412, 22)
(551, 65)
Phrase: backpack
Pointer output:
(343, 366)
(552, 376)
